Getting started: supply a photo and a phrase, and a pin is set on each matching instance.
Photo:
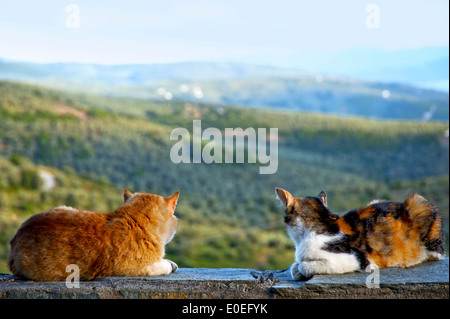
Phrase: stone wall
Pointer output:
(428, 280)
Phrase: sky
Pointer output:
(120, 32)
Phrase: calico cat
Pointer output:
(129, 241)
(382, 233)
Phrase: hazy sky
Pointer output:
(167, 31)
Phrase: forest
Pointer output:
(96, 146)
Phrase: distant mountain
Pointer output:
(135, 74)
(248, 85)
(426, 67)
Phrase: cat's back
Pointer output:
(395, 233)
(60, 219)
(414, 214)
(58, 235)
(375, 212)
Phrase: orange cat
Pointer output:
(129, 241)
(382, 233)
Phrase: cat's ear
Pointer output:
(323, 198)
(284, 196)
(172, 201)
(126, 195)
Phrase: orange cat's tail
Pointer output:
(427, 222)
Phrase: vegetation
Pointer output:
(96, 146)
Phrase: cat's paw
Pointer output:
(163, 267)
(297, 274)
(174, 265)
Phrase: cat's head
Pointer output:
(305, 214)
(159, 209)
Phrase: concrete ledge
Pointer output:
(428, 280)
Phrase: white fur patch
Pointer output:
(63, 207)
(376, 201)
(312, 259)
(131, 197)
(434, 255)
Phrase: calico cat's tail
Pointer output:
(427, 222)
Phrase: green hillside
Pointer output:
(229, 217)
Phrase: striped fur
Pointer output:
(383, 233)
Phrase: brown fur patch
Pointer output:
(395, 243)
(367, 212)
(435, 230)
(344, 227)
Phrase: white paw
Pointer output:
(163, 267)
(174, 266)
(297, 273)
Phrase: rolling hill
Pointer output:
(229, 217)
(241, 84)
